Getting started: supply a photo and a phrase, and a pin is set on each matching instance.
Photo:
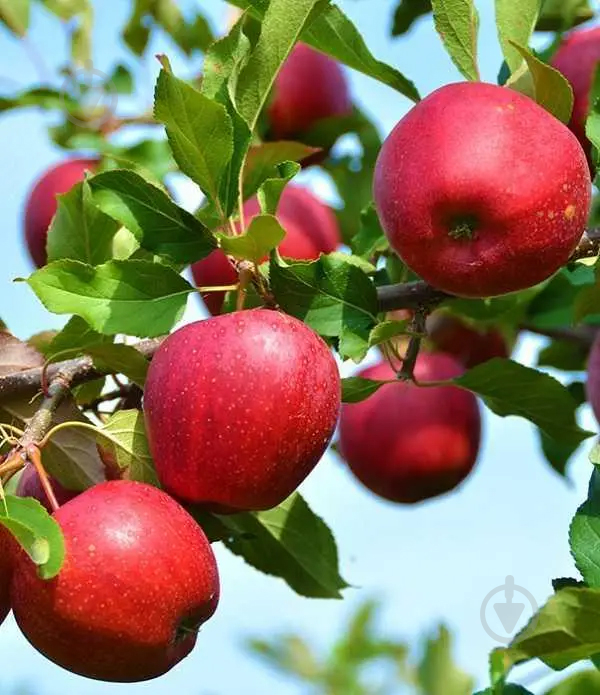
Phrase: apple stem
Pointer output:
(463, 228)
(417, 330)
(33, 454)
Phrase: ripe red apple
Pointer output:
(593, 377)
(408, 443)
(481, 191)
(29, 485)
(469, 345)
(139, 578)
(309, 88)
(577, 58)
(6, 566)
(41, 204)
(240, 408)
(311, 229)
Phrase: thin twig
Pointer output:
(417, 330)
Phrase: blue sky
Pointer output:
(430, 563)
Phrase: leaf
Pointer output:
(116, 358)
(509, 388)
(80, 231)
(332, 295)
(263, 234)
(290, 542)
(159, 225)
(15, 14)
(371, 237)
(508, 689)
(39, 97)
(587, 301)
(515, 24)
(121, 80)
(124, 444)
(36, 532)
(583, 683)
(407, 12)
(81, 37)
(558, 454)
(437, 673)
(386, 331)
(334, 34)
(356, 389)
(564, 355)
(584, 532)
(16, 356)
(271, 189)
(75, 337)
(263, 159)
(457, 23)
(137, 32)
(551, 90)
(560, 15)
(199, 129)
(565, 630)
(137, 298)
(281, 27)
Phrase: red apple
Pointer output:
(240, 408)
(469, 345)
(593, 377)
(408, 443)
(41, 204)
(481, 191)
(577, 58)
(139, 578)
(310, 87)
(311, 229)
(6, 564)
(29, 485)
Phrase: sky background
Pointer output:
(435, 562)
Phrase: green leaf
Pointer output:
(263, 234)
(564, 355)
(510, 388)
(159, 225)
(371, 237)
(124, 445)
(289, 541)
(407, 12)
(80, 231)
(558, 454)
(271, 189)
(40, 97)
(15, 14)
(515, 22)
(457, 23)
(437, 673)
(356, 389)
(508, 689)
(81, 36)
(386, 331)
(334, 34)
(587, 302)
(332, 295)
(560, 15)
(262, 162)
(583, 683)
(65, 9)
(137, 298)
(121, 80)
(120, 359)
(136, 32)
(584, 532)
(36, 532)
(74, 338)
(199, 129)
(565, 630)
(189, 36)
(551, 90)
(281, 27)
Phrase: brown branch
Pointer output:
(409, 295)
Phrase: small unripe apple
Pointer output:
(481, 191)
(409, 443)
(41, 204)
(29, 485)
(138, 580)
(469, 345)
(311, 229)
(309, 88)
(240, 408)
(593, 377)
(577, 58)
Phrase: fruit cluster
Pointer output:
(480, 192)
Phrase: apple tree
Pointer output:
(125, 433)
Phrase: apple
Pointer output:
(468, 344)
(593, 377)
(311, 229)
(29, 485)
(240, 408)
(309, 88)
(138, 580)
(6, 555)
(408, 443)
(481, 191)
(41, 204)
(577, 59)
